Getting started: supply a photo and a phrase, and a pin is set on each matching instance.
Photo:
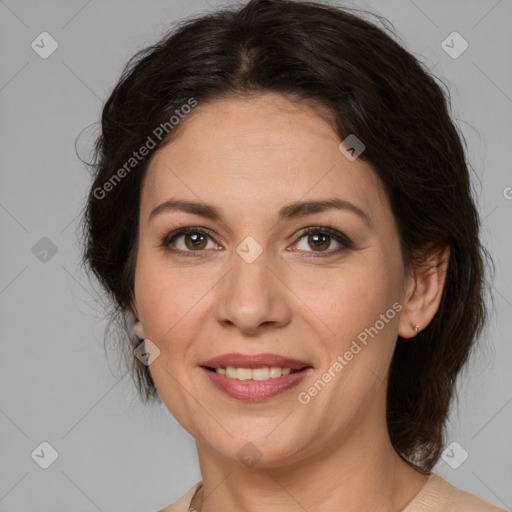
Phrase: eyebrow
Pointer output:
(289, 211)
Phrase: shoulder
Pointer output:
(440, 495)
(182, 504)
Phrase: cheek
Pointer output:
(169, 296)
(351, 297)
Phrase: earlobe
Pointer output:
(424, 293)
(139, 331)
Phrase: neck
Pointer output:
(361, 471)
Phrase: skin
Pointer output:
(249, 157)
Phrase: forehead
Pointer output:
(255, 154)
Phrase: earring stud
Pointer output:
(417, 329)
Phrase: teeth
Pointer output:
(253, 373)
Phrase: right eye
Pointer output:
(192, 240)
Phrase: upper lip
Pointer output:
(254, 361)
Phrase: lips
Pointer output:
(255, 361)
(255, 390)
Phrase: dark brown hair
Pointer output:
(372, 87)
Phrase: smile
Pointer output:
(254, 384)
(263, 373)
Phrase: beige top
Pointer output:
(437, 495)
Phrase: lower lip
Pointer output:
(255, 389)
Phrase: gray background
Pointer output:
(56, 383)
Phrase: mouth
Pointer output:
(254, 362)
(254, 377)
(261, 373)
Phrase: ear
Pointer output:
(137, 324)
(139, 330)
(424, 290)
(132, 310)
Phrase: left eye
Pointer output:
(321, 240)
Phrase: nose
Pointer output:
(253, 297)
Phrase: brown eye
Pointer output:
(320, 239)
(188, 240)
(195, 241)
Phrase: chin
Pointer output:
(259, 451)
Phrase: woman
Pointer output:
(282, 215)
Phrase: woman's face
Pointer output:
(255, 281)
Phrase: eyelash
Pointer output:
(342, 239)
